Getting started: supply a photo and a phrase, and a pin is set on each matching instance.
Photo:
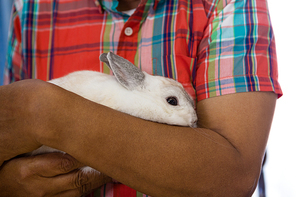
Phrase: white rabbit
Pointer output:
(131, 91)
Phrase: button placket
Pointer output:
(128, 31)
(127, 45)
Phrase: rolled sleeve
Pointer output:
(237, 53)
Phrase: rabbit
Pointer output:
(131, 91)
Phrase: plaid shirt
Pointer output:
(213, 47)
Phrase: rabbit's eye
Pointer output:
(172, 100)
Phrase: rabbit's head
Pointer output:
(150, 97)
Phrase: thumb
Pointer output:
(53, 164)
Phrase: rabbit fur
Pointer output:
(131, 91)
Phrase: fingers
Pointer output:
(75, 179)
(61, 172)
(64, 175)
(79, 181)
(33, 176)
(53, 164)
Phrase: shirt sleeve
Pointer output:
(14, 70)
(237, 52)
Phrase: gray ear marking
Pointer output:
(127, 74)
(103, 58)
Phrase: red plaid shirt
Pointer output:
(213, 47)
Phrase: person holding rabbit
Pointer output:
(222, 52)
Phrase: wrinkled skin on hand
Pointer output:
(51, 174)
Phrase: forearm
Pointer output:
(157, 159)
(17, 118)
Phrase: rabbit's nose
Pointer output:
(194, 124)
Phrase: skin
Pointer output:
(222, 158)
(124, 5)
(61, 173)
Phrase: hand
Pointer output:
(52, 174)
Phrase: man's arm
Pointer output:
(223, 157)
(41, 175)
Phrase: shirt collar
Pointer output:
(112, 4)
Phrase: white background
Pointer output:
(280, 173)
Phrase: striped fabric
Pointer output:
(213, 47)
(177, 39)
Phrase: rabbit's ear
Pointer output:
(103, 58)
(124, 71)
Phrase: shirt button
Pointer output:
(128, 31)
